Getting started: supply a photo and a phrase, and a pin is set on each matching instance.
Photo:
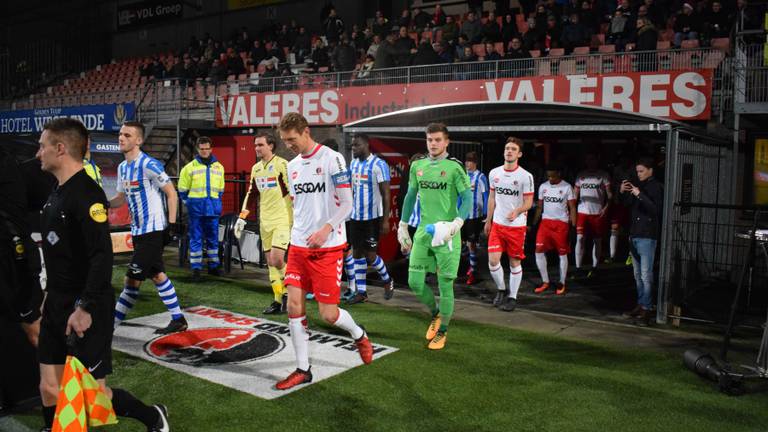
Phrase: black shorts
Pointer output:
(471, 230)
(364, 235)
(147, 259)
(94, 350)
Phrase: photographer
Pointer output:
(645, 202)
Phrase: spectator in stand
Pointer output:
(553, 34)
(385, 55)
(275, 51)
(575, 34)
(366, 67)
(405, 19)
(235, 65)
(467, 56)
(271, 70)
(533, 39)
(654, 13)
(471, 28)
(554, 8)
(687, 25)
(632, 28)
(508, 29)
(208, 51)
(438, 18)
(516, 50)
(475, 6)
(258, 52)
(491, 31)
(443, 52)
(344, 57)
(405, 47)
(145, 70)
(528, 7)
(490, 52)
(380, 27)
(716, 21)
(243, 42)
(320, 58)
(459, 47)
(158, 71)
(302, 45)
(218, 50)
(358, 40)
(541, 16)
(645, 40)
(450, 31)
(421, 19)
(626, 8)
(217, 72)
(425, 55)
(588, 17)
(374, 47)
(333, 26)
(188, 69)
(202, 67)
(287, 79)
(617, 30)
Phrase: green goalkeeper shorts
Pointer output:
(439, 259)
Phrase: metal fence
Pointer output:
(750, 71)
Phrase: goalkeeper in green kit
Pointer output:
(439, 181)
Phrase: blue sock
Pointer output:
(168, 294)
(380, 267)
(125, 302)
(349, 266)
(361, 270)
(472, 260)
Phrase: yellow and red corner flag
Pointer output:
(81, 401)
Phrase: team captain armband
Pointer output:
(341, 179)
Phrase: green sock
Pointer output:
(445, 285)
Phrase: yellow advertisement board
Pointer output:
(761, 171)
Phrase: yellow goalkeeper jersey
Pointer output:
(269, 181)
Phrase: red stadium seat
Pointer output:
(689, 44)
(723, 44)
(663, 45)
(535, 53)
(581, 50)
(607, 49)
(556, 52)
(597, 40)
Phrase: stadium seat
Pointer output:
(535, 53)
(663, 45)
(689, 44)
(581, 50)
(556, 52)
(713, 59)
(722, 44)
(598, 40)
(607, 49)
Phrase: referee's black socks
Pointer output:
(48, 414)
(126, 405)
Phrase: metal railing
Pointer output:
(751, 73)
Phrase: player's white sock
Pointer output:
(349, 266)
(597, 249)
(361, 274)
(541, 263)
(125, 302)
(563, 268)
(497, 273)
(614, 242)
(300, 339)
(381, 268)
(579, 250)
(515, 277)
(168, 294)
(345, 322)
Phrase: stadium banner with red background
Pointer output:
(676, 95)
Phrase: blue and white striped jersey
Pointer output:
(366, 176)
(415, 218)
(140, 180)
(479, 185)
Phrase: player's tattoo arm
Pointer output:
(173, 201)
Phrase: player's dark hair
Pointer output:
(437, 127)
(137, 125)
(269, 137)
(471, 157)
(362, 137)
(646, 162)
(517, 141)
(72, 133)
(203, 140)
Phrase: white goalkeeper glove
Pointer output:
(404, 237)
(443, 232)
(240, 224)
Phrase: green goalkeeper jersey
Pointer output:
(439, 184)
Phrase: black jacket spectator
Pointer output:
(517, 52)
(655, 13)
(425, 55)
(333, 26)
(235, 65)
(381, 27)
(217, 72)
(258, 52)
(385, 55)
(685, 23)
(472, 28)
(405, 19)
(717, 24)
(303, 44)
(403, 46)
(344, 56)
(647, 36)
(588, 17)
(438, 18)
(533, 39)
(508, 29)
(421, 19)
(575, 34)
(491, 31)
(645, 208)
(450, 31)
(320, 57)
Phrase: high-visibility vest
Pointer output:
(201, 186)
(92, 170)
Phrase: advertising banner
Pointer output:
(96, 118)
(149, 12)
(677, 95)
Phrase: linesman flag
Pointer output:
(81, 401)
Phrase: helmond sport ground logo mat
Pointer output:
(238, 351)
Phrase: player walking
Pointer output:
(472, 228)
(593, 193)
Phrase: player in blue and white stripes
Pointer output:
(140, 181)
(370, 216)
(473, 226)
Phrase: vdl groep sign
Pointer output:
(96, 118)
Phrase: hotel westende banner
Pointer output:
(677, 95)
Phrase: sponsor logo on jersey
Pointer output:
(495, 179)
(590, 186)
(434, 185)
(507, 191)
(309, 187)
(98, 213)
(550, 199)
(319, 171)
(294, 175)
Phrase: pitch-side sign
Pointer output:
(96, 118)
(678, 95)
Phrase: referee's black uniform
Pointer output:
(78, 258)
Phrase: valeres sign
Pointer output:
(678, 95)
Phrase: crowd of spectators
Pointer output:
(421, 37)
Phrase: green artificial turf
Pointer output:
(486, 379)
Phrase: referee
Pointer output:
(78, 257)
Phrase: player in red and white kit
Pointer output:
(557, 211)
(508, 204)
(319, 184)
(593, 193)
